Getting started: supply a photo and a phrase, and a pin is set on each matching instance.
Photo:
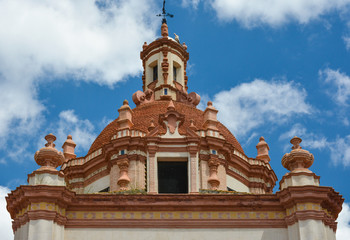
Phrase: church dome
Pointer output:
(166, 144)
(143, 115)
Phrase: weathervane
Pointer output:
(164, 14)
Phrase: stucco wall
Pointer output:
(137, 175)
(310, 230)
(114, 176)
(40, 230)
(236, 185)
(222, 177)
(98, 185)
(176, 234)
(204, 175)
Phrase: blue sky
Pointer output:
(272, 68)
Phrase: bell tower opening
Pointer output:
(172, 176)
(155, 73)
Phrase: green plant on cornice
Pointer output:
(129, 191)
(210, 191)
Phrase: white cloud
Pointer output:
(250, 105)
(20, 111)
(275, 12)
(340, 151)
(310, 140)
(347, 42)
(343, 229)
(340, 83)
(82, 131)
(82, 40)
(339, 148)
(5, 219)
(192, 3)
(204, 102)
(346, 121)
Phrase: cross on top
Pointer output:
(164, 14)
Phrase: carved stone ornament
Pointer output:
(263, 150)
(164, 30)
(151, 126)
(49, 157)
(213, 179)
(191, 99)
(171, 117)
(140, 97)
(124, 179)
(298, 158)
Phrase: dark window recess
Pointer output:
(174, 73)
(172, 177)
(155, 73)
(105, 190)
(165, 91)
(122, 152)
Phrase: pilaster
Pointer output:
(152, 169)
(311, 210)
(194, 178)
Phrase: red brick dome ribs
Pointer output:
(143, 115)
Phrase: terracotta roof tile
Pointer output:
(143, 114)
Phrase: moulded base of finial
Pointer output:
(293, 179)
(46, 177)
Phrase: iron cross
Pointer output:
(164, 14)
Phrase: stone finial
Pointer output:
(296, 142)
(171, 106)
(210, 117)
(192, 126)
(263, 150)
(164, 30)
(68, 148)
(213, 179)
(124, 179)
(177, 38)
(125, 116)
(49, 158)
(50, 138)
(151, 127)
(144, 46)
(184, 46)
(298, 160)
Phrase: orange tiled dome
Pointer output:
(144, 114)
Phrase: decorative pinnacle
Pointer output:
(177, 38)
(296, 142)
(164, 14)
(151, 127)
(49, 157)
(50, 138)
(210, 103)
(171, 106)
(298, 159)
